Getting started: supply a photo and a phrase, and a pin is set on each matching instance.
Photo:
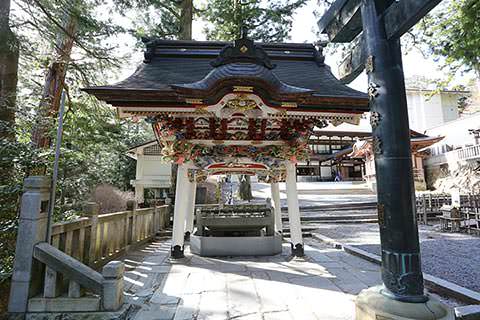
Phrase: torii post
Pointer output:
(378, 51)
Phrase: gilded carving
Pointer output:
(193, 101)
(289, 104)
(242, 89)
(370, 64)
(374, 119)
(377, 145)
(201, 110)
(242, 103)
(373, 90)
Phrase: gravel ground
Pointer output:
(451, 256)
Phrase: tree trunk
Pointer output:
(54, 83)
(186, 18)
(8, 80)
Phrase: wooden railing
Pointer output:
(429, 206)
(97, 239)
(469, 153)
(463, 154)
(94, 242)
(76, 271)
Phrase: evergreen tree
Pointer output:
(267, 21)
(59, 42)
(167, 19)
(453, 32)
(451, 35)
(8, 81)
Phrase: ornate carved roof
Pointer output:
(243, 50)
(175, 72)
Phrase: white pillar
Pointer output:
(294, 210)
(139, 193)
(192, 192)
(277, 207)
(179, 211)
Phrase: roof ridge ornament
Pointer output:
(243, 50)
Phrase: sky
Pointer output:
(304, 30)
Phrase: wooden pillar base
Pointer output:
(371, 304)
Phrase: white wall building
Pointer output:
(426, 111)
(152, 172)
(459, 145)
(456, 134)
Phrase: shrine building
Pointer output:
(234, 108)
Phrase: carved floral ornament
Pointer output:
(370, 64)
(242, 103)
(249, 104)
(377, 145)
(375, 119)
(181, 151)
(373, 90)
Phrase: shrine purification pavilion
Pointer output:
(234, 108)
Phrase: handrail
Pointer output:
(108, 285)
(97, 239)
(73, 269)
(73, 252)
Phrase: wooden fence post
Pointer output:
(424, 209)
(91, 210)
(169, 214)
(132, 206)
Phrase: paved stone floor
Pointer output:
(321, 286)
(450, 256)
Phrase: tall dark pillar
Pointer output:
(401, 267)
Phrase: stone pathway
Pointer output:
(451, 256)
(321, 286)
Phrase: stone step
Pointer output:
(337, 207)
(164, 233)
(321, 218)
(343, 221)
(304, 234)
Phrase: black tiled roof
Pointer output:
(170, 62)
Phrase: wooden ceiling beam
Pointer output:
(353, 63)
(405, 14)
(399, 18)
(343, 20)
